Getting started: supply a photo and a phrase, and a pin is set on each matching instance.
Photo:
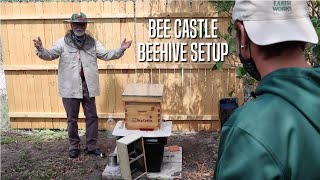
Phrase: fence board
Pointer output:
(33, 33)
(179, 91)
(49, 123)
(170, 101)
(39, 32)
(22, 91)
(99, 101)
(45, 91)
(107, 7)
(38, 92)
(14, 123)
(11, 44)
(38, 123)
(5, 43)
(74, 7)
(30, 94)
(10, 91)
(207, 100)
(53, 92)
(116, 36)
(121, 82)
(111, 94)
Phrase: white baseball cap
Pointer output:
(269, 21)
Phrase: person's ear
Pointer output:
(71, 25)
(85, 26)
(243, 40)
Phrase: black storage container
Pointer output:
(154, 148)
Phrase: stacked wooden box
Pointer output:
(143, 106)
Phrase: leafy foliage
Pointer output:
(218, 66)
(241, 72)
(4, 111)
(312, 52)
(222, 5)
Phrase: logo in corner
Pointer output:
(281, 6)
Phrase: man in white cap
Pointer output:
(78, 78)
(276, 135)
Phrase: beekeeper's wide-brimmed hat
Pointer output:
(78, 18)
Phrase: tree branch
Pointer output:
(313, 7)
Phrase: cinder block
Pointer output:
(171, 168)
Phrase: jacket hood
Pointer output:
(298, 86)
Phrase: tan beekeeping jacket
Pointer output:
(69, 79)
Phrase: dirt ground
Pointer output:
(29, 155)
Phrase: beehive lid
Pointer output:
(164, 131)
(128, 139)
(143, 90)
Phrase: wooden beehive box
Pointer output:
(132, 159)
(143, 106)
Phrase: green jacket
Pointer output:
(276, 135)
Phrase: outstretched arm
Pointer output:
(104, 54)
(47, 54)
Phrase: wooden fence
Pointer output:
(191, 90)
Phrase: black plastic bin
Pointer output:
(154, 148)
